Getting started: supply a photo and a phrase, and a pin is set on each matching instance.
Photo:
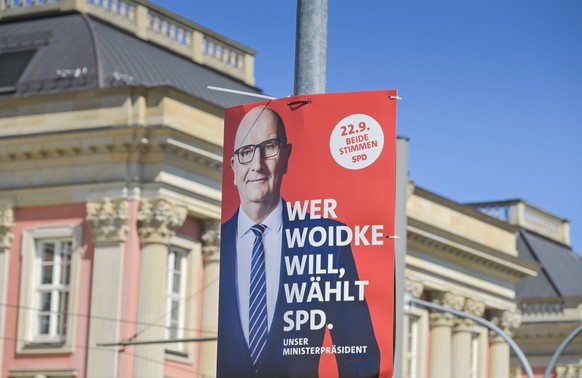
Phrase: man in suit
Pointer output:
(272, 320)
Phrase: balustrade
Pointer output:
(155, 24)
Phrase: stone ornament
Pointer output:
(210, 239)
(158, 219)
(414, 288)
(447, 299)
(109, 219)
(6, 224)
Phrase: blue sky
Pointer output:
(492, 90)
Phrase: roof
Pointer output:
(561, 273)
(75, 51)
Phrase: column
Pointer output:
(515, 372)
(158, 220)
(412, 366)
(569, 371)
(441, 325)
(6, 237)
(499, 349)
(211, 253)
(462, 337)
(413, 288)
(109, 221)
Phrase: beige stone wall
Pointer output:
(123, 144)
(457, 223)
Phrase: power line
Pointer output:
(124, 351)
(97, 317)
(155, 323)
(149, 342)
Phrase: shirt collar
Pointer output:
(274, 220)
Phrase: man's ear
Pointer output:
(233, 170)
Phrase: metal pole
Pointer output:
(486, 323)
(311, 47)
(400, 249)
(559, 351)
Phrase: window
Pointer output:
(52, 282)
(12, 65)
(185, 293)
(176, 296)
(412, 346)
(474, 371)
(48, 288)
(415, 335)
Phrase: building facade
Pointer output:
(110, 177)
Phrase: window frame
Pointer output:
(422, 327)
(55, 289)
(172, 297)
(192, 299)
(28, 339)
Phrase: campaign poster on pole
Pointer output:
(307, 238)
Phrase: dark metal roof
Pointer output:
(561, 273)
(75, 51)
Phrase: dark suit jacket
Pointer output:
(351, 319)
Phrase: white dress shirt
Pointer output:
(244, 246)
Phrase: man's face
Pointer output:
(259, 182)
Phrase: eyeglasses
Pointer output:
(269, 148)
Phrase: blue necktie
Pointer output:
(258, 297)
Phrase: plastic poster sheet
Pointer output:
(330, 289)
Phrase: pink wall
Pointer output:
(75, 214)
(25, 218)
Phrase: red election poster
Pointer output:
(307, 258)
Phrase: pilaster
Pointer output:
(211, 253)
(158, 220)
(441, 324)
(499, 349)
(6, 237)
(462, 337)
(109, 221)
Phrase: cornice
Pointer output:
(106, 141)
(510, 266)
(191, 153)
(72, 143)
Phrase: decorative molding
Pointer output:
(507, 320)
(158, 220)
(476, 257)
(6, 224)
(197, 155)
(542, 308)
(211, 240)
(515, 372)
(474, 307)
(569, 371)
(42, 373)
(89, 146)
(109, 219)
(447, 299)
(58, 149)
(413, 288)
(410, 188)
(471, 307)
